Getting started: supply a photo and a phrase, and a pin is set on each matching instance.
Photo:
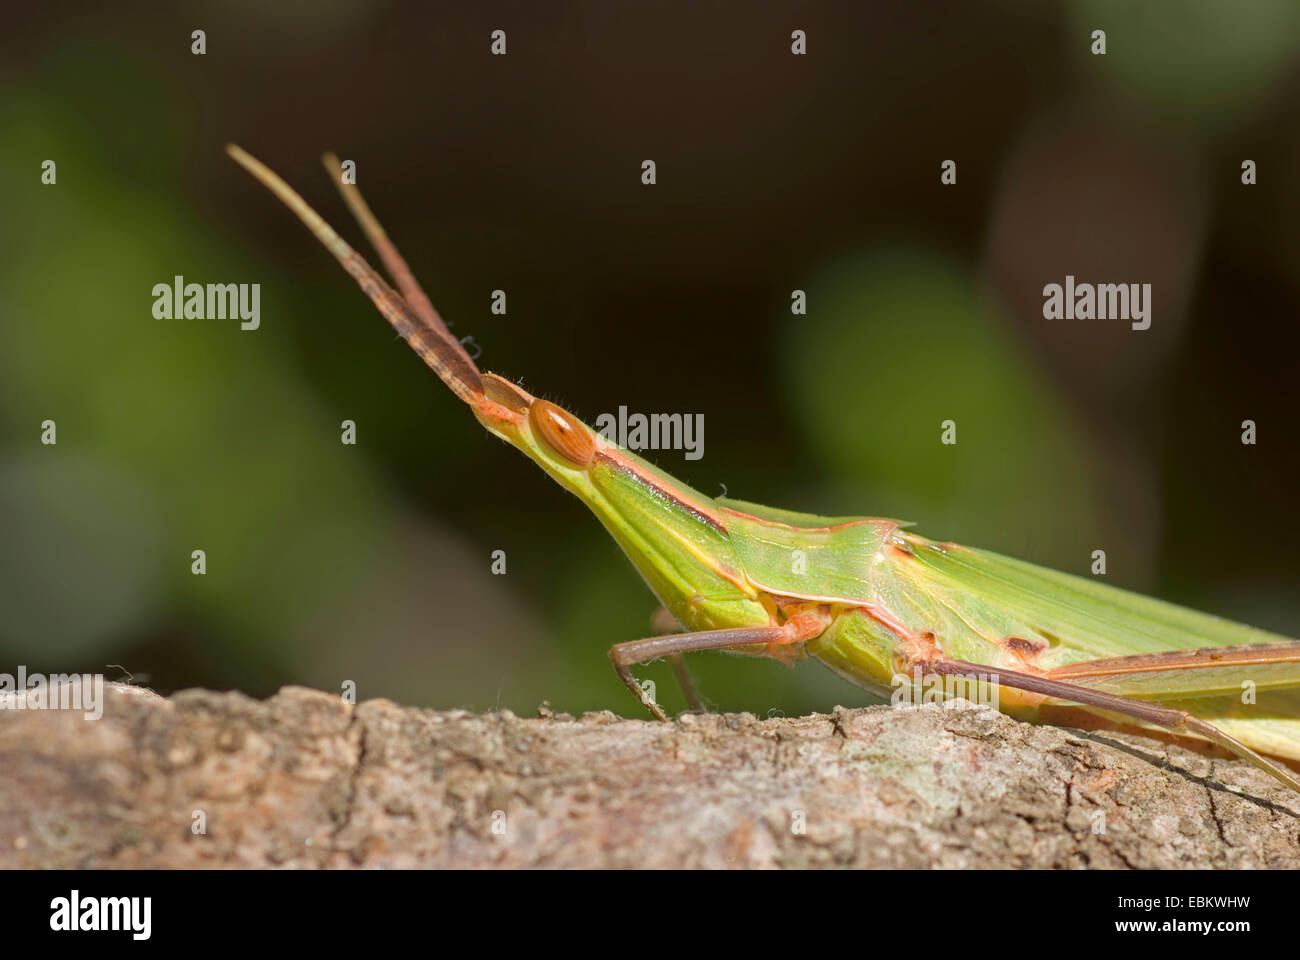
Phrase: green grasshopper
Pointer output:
(878, 604)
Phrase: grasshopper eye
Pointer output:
(562, 432)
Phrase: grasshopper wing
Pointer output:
(1243, 680)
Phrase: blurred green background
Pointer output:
(371, 563)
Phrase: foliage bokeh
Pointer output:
(371, 563)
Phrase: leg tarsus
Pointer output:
(624, 674)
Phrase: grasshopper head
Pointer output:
(547, 433)
(674, 536)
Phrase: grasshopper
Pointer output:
(877, 603)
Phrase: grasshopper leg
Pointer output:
(663, 622)
(1175, 721)
(626, 655)
(683, 675)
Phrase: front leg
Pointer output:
(663, 622)
(626, 655)
(770, 640)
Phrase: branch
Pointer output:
(305, 780)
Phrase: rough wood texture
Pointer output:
(304, 780)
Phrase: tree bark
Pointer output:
(206, 779)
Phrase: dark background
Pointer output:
(371, 563)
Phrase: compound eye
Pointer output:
(562, 432)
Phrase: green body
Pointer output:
(717, 563)
(872, 595)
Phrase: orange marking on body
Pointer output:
(797, 630)
(731, 576)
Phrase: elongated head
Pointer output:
(673, 535)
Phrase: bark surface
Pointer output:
(303, 779)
